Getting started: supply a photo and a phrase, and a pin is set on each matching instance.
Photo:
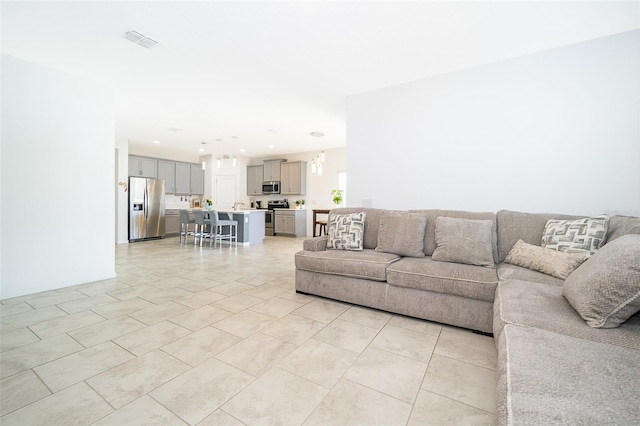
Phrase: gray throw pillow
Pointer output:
(547, 261)
(576, 236)
(346, 231)
(463, 241)
(605, 290)
(402, 233)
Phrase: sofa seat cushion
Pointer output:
(542, 306)
(366, 264)
(475, 282)
(545, 378)
(507, 271)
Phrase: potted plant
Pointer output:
(300, 204)
(336, 194)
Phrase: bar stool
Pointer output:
(323, 227)
(321, 223)
(201, 227)
(185, 221)
(218, 225)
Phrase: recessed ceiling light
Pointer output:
(272, 146)
(156, 142)
(201, 149)
(317, 134)
(242, 150)
(203, 143)
(234, 137)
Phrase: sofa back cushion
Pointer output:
(464, 241)
(430, 236)
(528, 227)
(371, 223)
(622, 225)
(402, 233)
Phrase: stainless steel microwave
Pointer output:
(271, 187)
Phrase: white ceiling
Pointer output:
(239, 68)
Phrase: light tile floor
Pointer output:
(218, 336)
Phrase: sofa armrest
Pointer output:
(315, 244)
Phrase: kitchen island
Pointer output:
(250, 225)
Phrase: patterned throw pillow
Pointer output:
(346, 231)
(576, 236)
(551, 262)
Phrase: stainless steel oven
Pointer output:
(270, 217)
(268, 222)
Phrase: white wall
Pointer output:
(58, 165)
(555, 131)
(159, 151)
(122, 198)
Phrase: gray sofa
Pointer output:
(552, 367)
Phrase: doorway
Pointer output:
(225, 192)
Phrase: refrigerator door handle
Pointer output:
(146, 203)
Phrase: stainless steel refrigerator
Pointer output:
(146, 208)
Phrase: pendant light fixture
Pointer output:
(317, 162)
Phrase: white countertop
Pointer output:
(242, 211)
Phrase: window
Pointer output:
(342, 184)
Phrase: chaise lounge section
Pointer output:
(553, 367)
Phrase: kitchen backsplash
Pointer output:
(179, 201)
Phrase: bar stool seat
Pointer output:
(201, 227)
(185, 221)
(218, 228)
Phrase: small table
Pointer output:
(322, 223)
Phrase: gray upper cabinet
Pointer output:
(179, 178)
(143, 167)
(183, 178)
(197, 179)
(167, 171)
(294, 178)
(271, 170)
(255, 176)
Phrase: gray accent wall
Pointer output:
(553, 131)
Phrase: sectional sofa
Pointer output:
(461, 268)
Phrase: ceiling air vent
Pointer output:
(140, 39)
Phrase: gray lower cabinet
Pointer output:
(290, 222)
(171, 222)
